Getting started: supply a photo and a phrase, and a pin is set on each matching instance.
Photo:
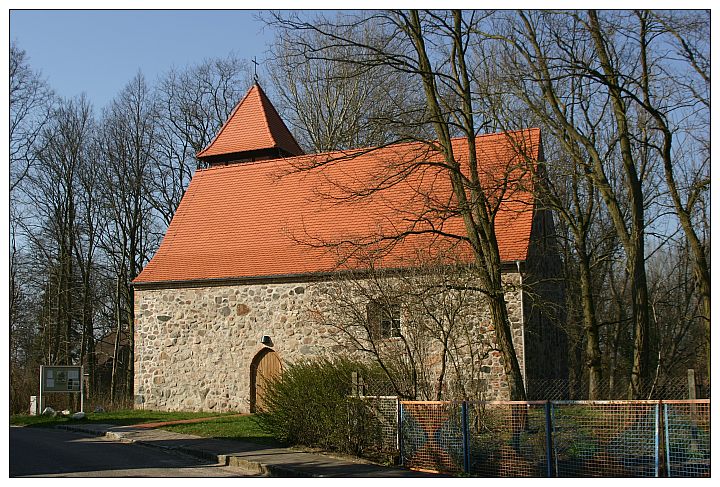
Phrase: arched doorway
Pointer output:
(265, 366)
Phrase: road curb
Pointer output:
(267, 469)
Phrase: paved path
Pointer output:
(51, 452)
(255, 458)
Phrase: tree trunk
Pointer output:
(116, 348)
(640, 375)
(88, 345)
(478, 222)
(503, 333)
(130, 371)
(634, 240)
(593, 356)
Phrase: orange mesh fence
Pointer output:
(431, 436)
(507, 439)
(606, 438)
(557, 438)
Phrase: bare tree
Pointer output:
(30, 107)
(574, 198)
(578, 77)
(427, 328)
(678, 321)
(334, 104)
(678, 102)
(564, 187)
(31, 103)
(91, 226)
(432, 49)
(192, 105)
(127, 144)
(23, 329)
(53, 193)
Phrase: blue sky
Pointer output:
(98, 52)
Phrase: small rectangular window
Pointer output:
(383, 319)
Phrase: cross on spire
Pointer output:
(254, 60)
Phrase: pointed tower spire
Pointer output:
(254, 131)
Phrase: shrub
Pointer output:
(310, 404)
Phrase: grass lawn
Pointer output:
(225, 425)
(243, 428)
(120, 418)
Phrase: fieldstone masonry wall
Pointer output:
(194, 345)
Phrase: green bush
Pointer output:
(310, 404)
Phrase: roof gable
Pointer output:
(264, 219)
(254, 125)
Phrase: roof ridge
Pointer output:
(367, 149)
(268, 107)
(266, 122)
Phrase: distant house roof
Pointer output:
(105, 347)
(268, 218)
(254, 125)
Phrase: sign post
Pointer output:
(61, 378)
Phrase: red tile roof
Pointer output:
(268, 219)
(253, 125)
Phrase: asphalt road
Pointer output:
(44, 452)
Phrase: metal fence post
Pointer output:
(82, 388)
(399, 432)
(465, 438)
(657, 439)
(548, 439)
(40, 411)
(692, 387)
(667, 441)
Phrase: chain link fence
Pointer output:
(557, 438)
(383, 416)
(676, 388)
(605, 438)
(670, 388)
(687, 438)
(666, 435)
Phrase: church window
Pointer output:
(383, 319)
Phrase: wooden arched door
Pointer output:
(265, 366)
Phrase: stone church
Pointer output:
(231, 294)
